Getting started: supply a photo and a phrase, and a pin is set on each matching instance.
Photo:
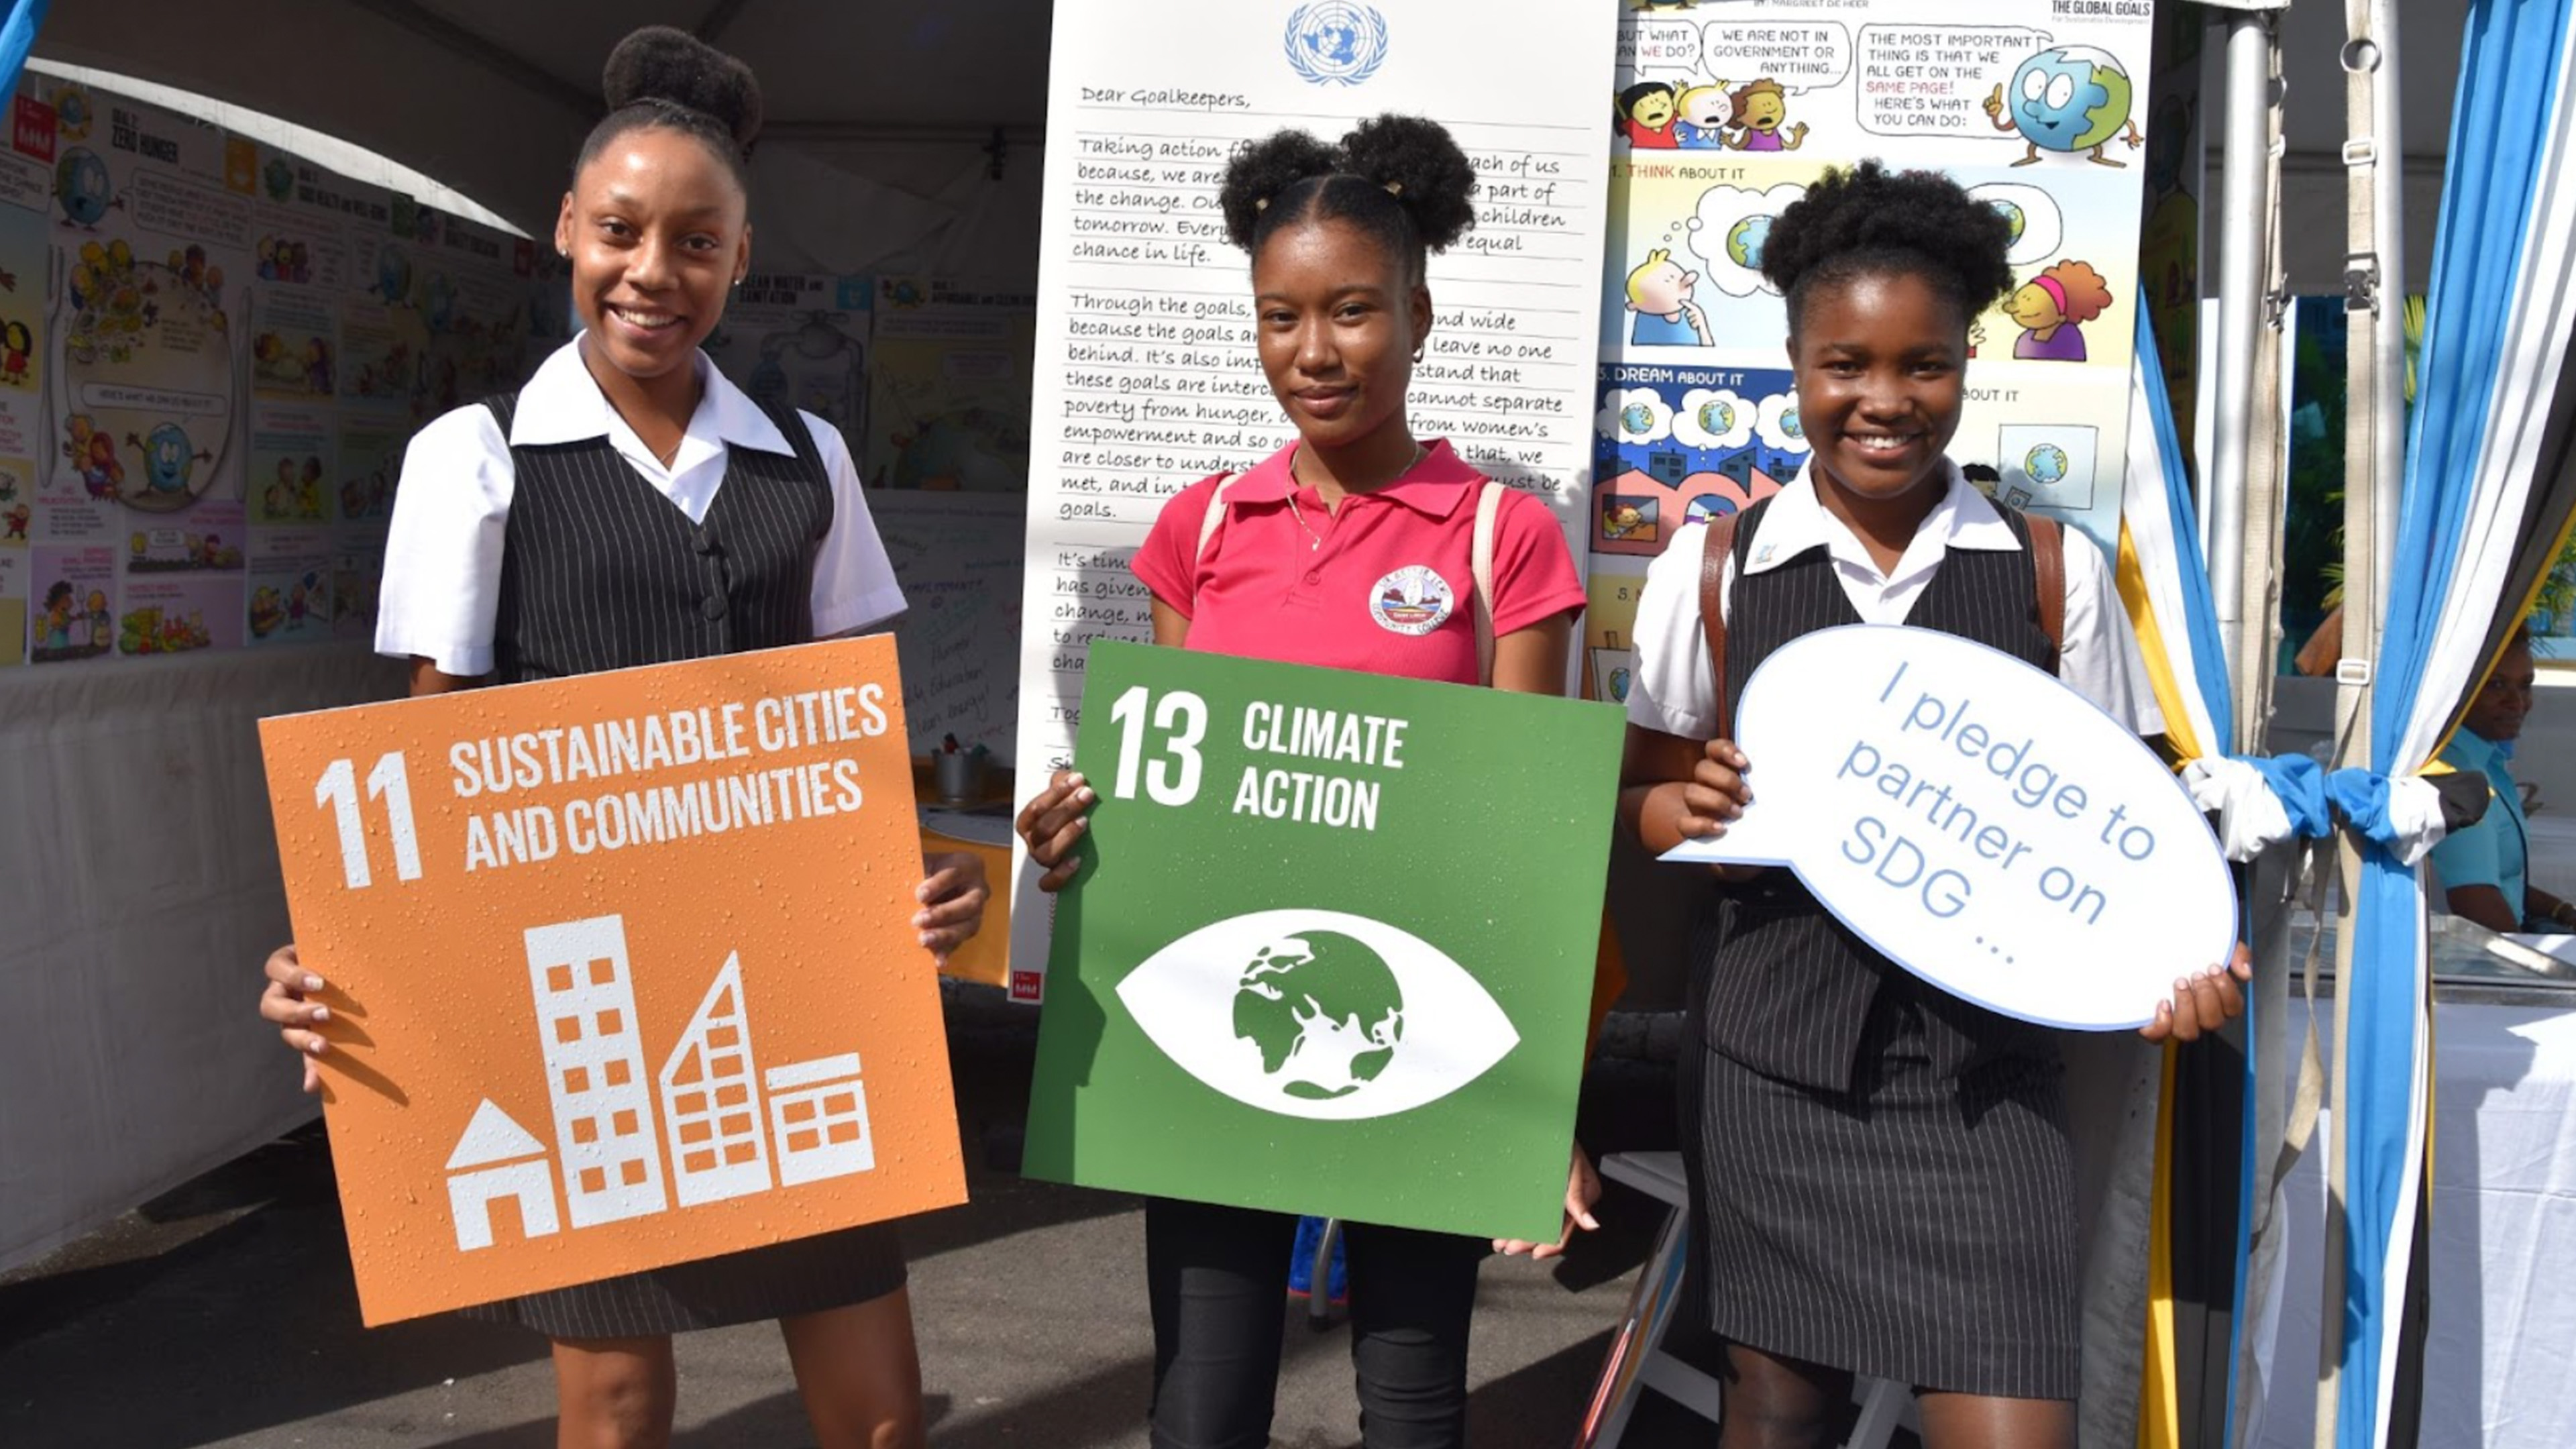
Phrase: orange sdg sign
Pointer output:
(622, 967)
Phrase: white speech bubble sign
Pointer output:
(1979, 823)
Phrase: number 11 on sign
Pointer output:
(390, 782)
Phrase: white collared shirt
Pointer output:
(1672, 690)
(442, 581)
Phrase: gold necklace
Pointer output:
(1314, 541)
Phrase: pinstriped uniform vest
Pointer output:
(1781, 985)
(600, 571)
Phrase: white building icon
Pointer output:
(494, 1160)
(711, 1099)
(605, 1137)
(819, 1114)
(595, 1070)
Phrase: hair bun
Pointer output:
(661, 63)
(1423, 166)
(1261, 170)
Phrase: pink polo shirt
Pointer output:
(1389, 591)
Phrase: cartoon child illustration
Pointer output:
(1659, 292)
(102, 628)
(2050, 307)
(308, 496)
(211, 552)
(277, 500)
(1699, 117)
(15, 521)
(1759, 110)
(1618, 519)
(1645, 116)
(101, 473)
(17, 343)
(54, 625)
(2070, 99)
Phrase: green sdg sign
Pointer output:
(1332, 946)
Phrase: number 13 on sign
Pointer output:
(390, 782)
(1184, 717)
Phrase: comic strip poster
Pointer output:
(949, 397)
(801, 342)
(1723, 115)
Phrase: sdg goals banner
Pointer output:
(1332, 944)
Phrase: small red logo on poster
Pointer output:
(35, 129)
(1027, 985)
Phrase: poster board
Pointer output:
(623, 969)
(1273, 985)
(203, 342)
(1723, 114)
(1140, 297)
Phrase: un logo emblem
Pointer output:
(1335, 42)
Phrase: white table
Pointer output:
(2497, 1357)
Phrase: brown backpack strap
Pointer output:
(1714, 550)
(2048, 562)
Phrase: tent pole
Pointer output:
(2243, 209)
(2388, 180)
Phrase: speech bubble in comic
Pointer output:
(1935, 80)
(1802, 55)
(1979, 823)
(1728, 230)
(1664, 47)
(1778, 425)
(1713, 418)
(1634, 415)
(2038, 227)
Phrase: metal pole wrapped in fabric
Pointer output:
(2367, 303)
(2495, 393)
(2245, 222)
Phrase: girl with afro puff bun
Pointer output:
(1355, 546)
(631, 507)
(1880, 1179)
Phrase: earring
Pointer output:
(1417, 354)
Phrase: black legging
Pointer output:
(1218, 1279)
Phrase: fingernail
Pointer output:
(1086, 796)
(2182, 983)
(312, 983)
(319, 1046)
(1075, 781)
(321, 1013)
(921, 921)
(1082, 824)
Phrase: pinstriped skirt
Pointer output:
(1919, 1228)
(778, 1280)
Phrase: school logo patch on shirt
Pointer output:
(1411, 600)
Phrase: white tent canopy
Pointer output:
(877, 153)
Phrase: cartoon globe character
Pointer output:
(2045, 465)
(1744, 242)
(2016, 220)
(2071, 99)
(1716, 417)
(167, 459)
(82, 185)
(1636, 418)
(393, 274)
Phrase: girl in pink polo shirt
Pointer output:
(1353, 547)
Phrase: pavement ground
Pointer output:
(224, 1314)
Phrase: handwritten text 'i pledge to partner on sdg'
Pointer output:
(1978, 822)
